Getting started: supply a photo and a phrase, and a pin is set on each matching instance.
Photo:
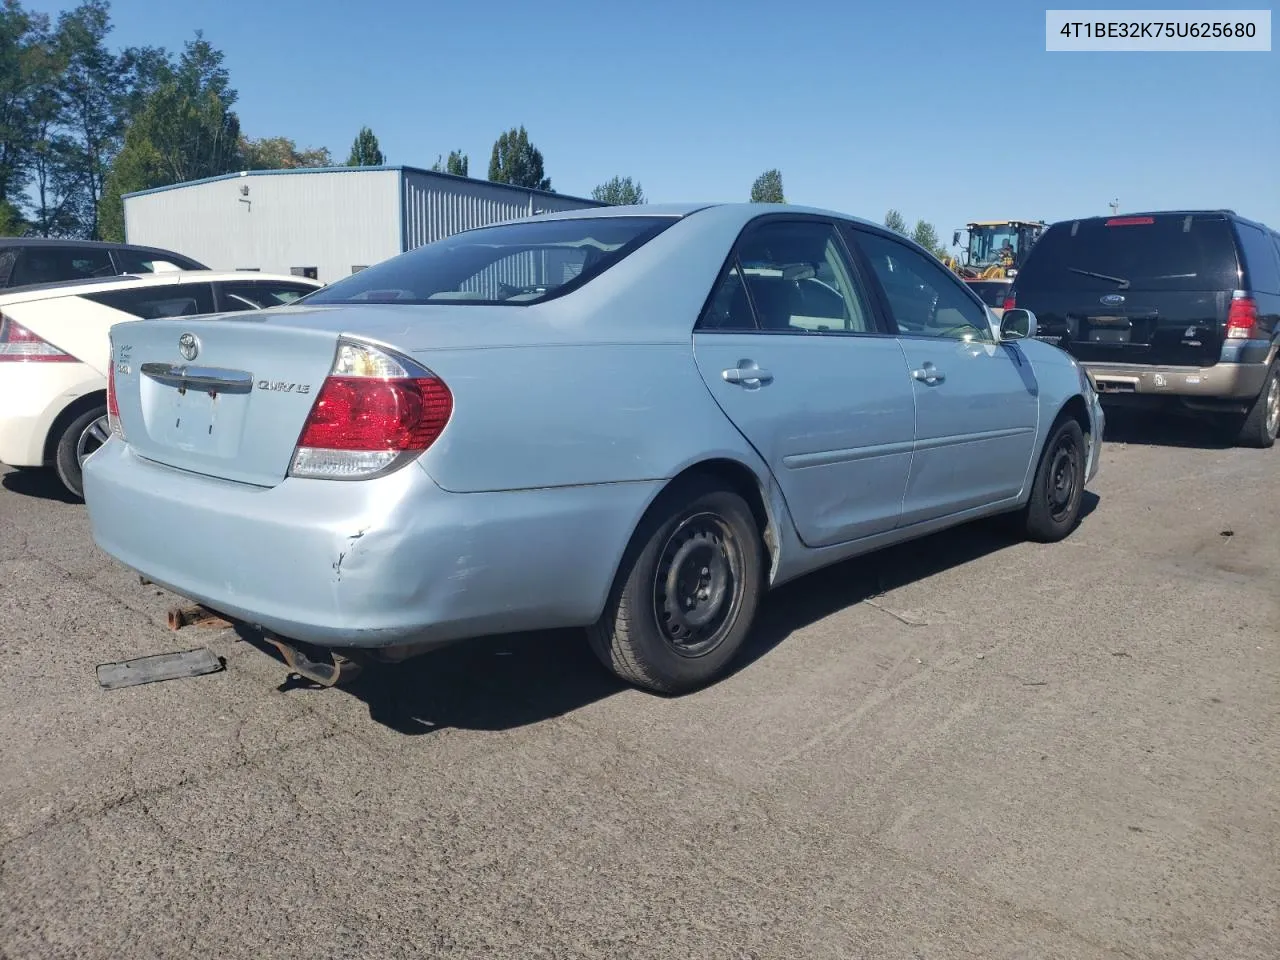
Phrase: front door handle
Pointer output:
(929, 374)
(747, 374)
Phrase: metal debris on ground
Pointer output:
(163, 666)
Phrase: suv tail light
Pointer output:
(1010, 303)
(113, 402)
(375, 411)
(20, 345)
(1242, 317)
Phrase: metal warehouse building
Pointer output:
(324, 222)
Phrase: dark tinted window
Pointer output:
(261, 294)
(1173, 252)
(53, 264)
(8, 257)
(789, 276)
(158, 302)
(134, 261)
(515, 263)
(1259, 259)
(925, 297)
(990, 292)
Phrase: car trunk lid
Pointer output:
(218, 396)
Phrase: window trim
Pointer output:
(907, 244)
(881, 320)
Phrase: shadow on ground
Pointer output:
(503, 682)
(37, 483)
(1143, 428)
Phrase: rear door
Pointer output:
(793, 352)
(975, 399)
(1141, 289)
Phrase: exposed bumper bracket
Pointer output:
(328, 672)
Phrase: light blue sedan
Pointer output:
(631, 419)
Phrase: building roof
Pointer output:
(344, 169)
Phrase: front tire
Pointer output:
(82, 436)
(1058, 490)
(686, 592)
(1262, 422)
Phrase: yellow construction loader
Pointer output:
(995, 249)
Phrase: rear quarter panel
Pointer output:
(563, 415)
(80, 327)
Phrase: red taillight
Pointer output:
(1129, 221)
(1010, 303)
(20, 345)
(1242, 318)
(113, 402)
(375, 410)
(360, 413)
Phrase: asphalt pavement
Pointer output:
(962, 747)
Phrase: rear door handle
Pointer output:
(929, 374)
(747, 374)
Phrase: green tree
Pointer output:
(620, 191)
(516, 161)
(896, 222)
(925, 235)
(280, 153)
(24, 49)
(456, 164)
(768, 188)
(365, 151)
(184, 130)
(95, 91)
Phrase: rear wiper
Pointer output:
(1124, 284)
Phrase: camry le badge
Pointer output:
(1112, 299)
(189, 346)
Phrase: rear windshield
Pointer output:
(516, 263)
(1164, 252)
(991, 293)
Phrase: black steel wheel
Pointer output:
(1057, 492)
(697, 586)
(686, 591)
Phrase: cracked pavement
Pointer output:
(963, 747)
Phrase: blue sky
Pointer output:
(947, 111)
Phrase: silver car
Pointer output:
(632, 419)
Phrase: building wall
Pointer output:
(439, 206)
(332, 221)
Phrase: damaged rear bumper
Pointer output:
(384, 563)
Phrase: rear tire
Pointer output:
(686, 592)
(81, 437)
(1262, 422)
(1058, 490)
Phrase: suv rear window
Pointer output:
(1161, 252)
(516, 263)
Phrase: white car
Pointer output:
(54, 352)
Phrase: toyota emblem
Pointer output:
(189, 346)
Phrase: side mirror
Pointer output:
(955, 239)
(1017, 324)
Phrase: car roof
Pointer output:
(743, 211)
(130, 281)
(84, 245)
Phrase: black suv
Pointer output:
(27, 261)
(1169, 309)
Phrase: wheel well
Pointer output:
(742, 481)
(1076, 409)
(72, 410)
